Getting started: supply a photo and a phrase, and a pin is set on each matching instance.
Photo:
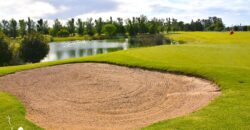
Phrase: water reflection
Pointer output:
(65, 50)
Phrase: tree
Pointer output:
(22, 28)
(71, 26)
(56, 28)
(198, 25)
(5, 26)
(213, 24)
(153, 26)
(109, 30)
(120, 27)
(131, 27)
(219, 26)
(181, 26)
(42, 26)
(5, 51)
(33, 48)
(187, 27)
(248, 28)
(174, 25)
(30, 26)
(80, 27)
(168, 25)
(45, 27)
(13, 28)
(90, 27)
(39, 26)
(98, 26)
(142, 24)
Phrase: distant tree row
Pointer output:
(13, 28)
(110, 27)
(239, 28)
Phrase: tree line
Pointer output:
(131, 26)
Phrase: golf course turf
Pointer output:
(218, 57)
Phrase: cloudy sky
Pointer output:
(232, 12)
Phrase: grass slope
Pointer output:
(215, 56)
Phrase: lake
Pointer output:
(73, 49)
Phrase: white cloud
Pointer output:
(232, 11)
(20, 9)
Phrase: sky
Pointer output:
(232, 12)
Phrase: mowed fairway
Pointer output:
(219, 57)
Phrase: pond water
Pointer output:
(73, 49)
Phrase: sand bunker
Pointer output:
(105, 97)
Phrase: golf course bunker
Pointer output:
(91, 96)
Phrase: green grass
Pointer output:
(214, 56)
(86, 37)
(211, 37)
(75, 38)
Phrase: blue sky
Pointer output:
(232, 12)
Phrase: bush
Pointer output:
(63, 33)
(33, 48)
(5, 51)
(149, 40)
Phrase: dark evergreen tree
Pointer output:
(71, 26)
(98, 25)
(13, 32)
(22, 28)
(80, 27)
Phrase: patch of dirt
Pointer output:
(91, 96)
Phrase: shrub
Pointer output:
(63, 33)
(33, 48)
(149, 40)
(5, 51)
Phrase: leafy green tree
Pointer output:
(168, 25)
(248, 28)
(80, 27)
(174, 25)
(90, 27)
(22, 28)
(39, 26)
(98, 26)
(131, 27)
(109, 30)
(219, 26)
(187, 27)
(71, 26)
(5, 51)
(154, 26)
(13, 32)
(56, 28)
(180, 26)
(120, 27)
(46, 27)
(34, 48)
(42, 26)
(142, 24)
